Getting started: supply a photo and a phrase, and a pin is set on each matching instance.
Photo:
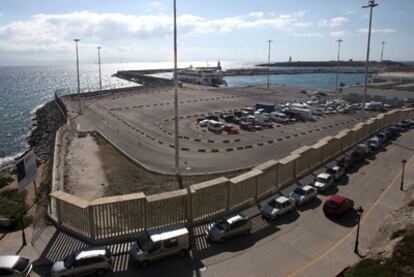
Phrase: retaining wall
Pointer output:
(112, 219)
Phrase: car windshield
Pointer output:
(145, 242)
(21, 264)
(332, 204)
(222, 225)
(69, 260)
(273, 203)
(299, 191)
(321, 180)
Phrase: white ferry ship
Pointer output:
(204, 76)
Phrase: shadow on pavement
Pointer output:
(344, 180)
(348, 220)
(313, 204)
(330, 191)
(287, 218)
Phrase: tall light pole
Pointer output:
(382, 51)
(339, 41)
(176, 142)
(77, 74)
(99, 64)
(359, 212)
(403, 162)
(371, 5)
(268, 64)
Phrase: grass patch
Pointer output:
(12, 203)
(401, 263)
(4, 181)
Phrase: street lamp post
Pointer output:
(339, 41)
(268, 64)
(403, 162)
(382, 51)
(176, 142)
(359, 212)
(77, 74)
(371, 5)
(99, 65)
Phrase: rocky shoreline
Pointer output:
(48, 119)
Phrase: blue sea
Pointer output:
(23, 89)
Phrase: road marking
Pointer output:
(364, 215)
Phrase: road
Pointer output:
(302, 243)
(141, 125)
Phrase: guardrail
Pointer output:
(117, 218)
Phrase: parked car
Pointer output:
(336, 171)
(87, 261)
(160, 243)
(231, 129)
(200, 119)
(215, 127)
(263, 121)
(12, 265)
(213, 117)
(228, 227)
(382, 136)
(277, 206)
(345, 162)
(248, 126)
(405, 124)
(392, 132)
(204, 123)
(363, 148)
(337, 205)
(374, 143)
(236, 120)
(323, 181)
(357, 157)
(228, 118)
(403, 127)
(279, 117)
(303, 194)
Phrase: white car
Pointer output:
(215, 126)
(303, 194)
(11, 265)
(323, 181)
(204, 123)
(228, 227)
(277, 207)
(336, 171)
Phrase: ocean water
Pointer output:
(23, 89)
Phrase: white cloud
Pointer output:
(308, 35)
(256, 14)
(337, 34)
(350, 12)
(56, 31)
(384, 30)
(156, 6)
(333, 22)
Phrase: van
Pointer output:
(160, 243)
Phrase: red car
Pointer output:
(248, 126)
(231, 129)
(337, 205)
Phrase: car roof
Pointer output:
(168, 232)
(324, 175)
(337, 198)
(8, 261)
(282, 199)
(306, 187)
(232, 219)
(90, 252)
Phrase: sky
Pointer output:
(37, 32)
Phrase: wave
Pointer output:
(9, 160)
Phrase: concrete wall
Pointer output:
(267, 181)
(111, 219)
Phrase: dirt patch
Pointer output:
(125, 177)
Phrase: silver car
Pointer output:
(15, 266)
(87, 261)
(277, 207)
(303, 194)
(229, 227)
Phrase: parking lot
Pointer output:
(141, 125)
(291, 243)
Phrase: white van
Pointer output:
(160, 243)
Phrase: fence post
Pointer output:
(92, 233)
(58, 211)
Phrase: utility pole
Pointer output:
(268, 64)
(382, 51)
(99, 64)
(77, 74)
(176, 142)
(371, 5)
(339, 41)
